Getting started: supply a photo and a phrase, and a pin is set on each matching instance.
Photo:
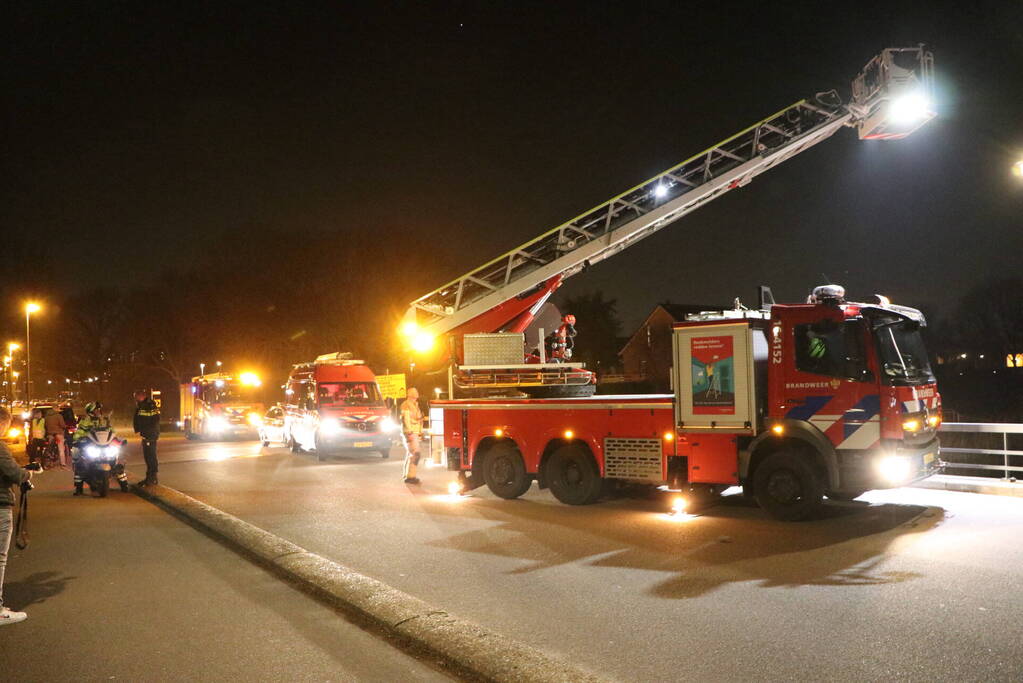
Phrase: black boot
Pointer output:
(78, 488)
(124, 486)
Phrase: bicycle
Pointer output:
(49, 455)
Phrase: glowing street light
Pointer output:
(30, 308)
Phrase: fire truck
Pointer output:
(793, 402)
(220, 405)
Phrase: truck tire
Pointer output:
(505, 472)
(573, 477)
(788, 487)
(846, 496)
(560, 391)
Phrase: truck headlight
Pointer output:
(911, 425)
(387, 425)
(894, 469)
(218, 424)
(330, 426)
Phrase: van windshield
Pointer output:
(348, 394)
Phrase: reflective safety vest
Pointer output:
(87, 423)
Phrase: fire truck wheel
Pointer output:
(788, 487)
(504, 472)
(573, 477)
(846, 496)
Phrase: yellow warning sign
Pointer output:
(392, 386)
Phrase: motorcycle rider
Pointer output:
(94, 418)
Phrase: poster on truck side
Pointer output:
(713, 375)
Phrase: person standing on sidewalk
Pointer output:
(10, 476)
(147, 425)
(412, 430)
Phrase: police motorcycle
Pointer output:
(100, 451)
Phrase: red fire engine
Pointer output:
(219, 405)
(793, 402)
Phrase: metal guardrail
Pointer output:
(1001, 428)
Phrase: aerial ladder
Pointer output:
(891, 97)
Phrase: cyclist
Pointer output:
(55, 426)
(35, 435)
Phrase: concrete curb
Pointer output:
(465, 647)
(991, 487)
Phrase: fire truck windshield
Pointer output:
(227, 392)
(348, 394)
(902, 353)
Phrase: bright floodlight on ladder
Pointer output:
(893, 95)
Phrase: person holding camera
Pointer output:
(11, 475)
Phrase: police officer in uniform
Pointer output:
(147, 425)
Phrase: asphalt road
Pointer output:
(911, 584)
(117, 589)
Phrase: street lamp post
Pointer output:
(11, 348)
(30, 308)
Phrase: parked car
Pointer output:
(271, 427)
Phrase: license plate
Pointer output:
(363, 444)
(928, 459)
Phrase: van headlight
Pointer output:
(330, 426)
(894, 469)
(388, 425)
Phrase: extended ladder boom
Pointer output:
(663, 199)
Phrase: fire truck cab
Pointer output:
(220, 405)
(791, 402)
(333, 405)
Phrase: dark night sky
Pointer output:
(154, 131)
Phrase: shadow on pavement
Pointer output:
(730, 542)
(34, 589)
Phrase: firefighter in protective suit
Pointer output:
(559, 342)
(94, 418)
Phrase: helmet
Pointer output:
(569, 319)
